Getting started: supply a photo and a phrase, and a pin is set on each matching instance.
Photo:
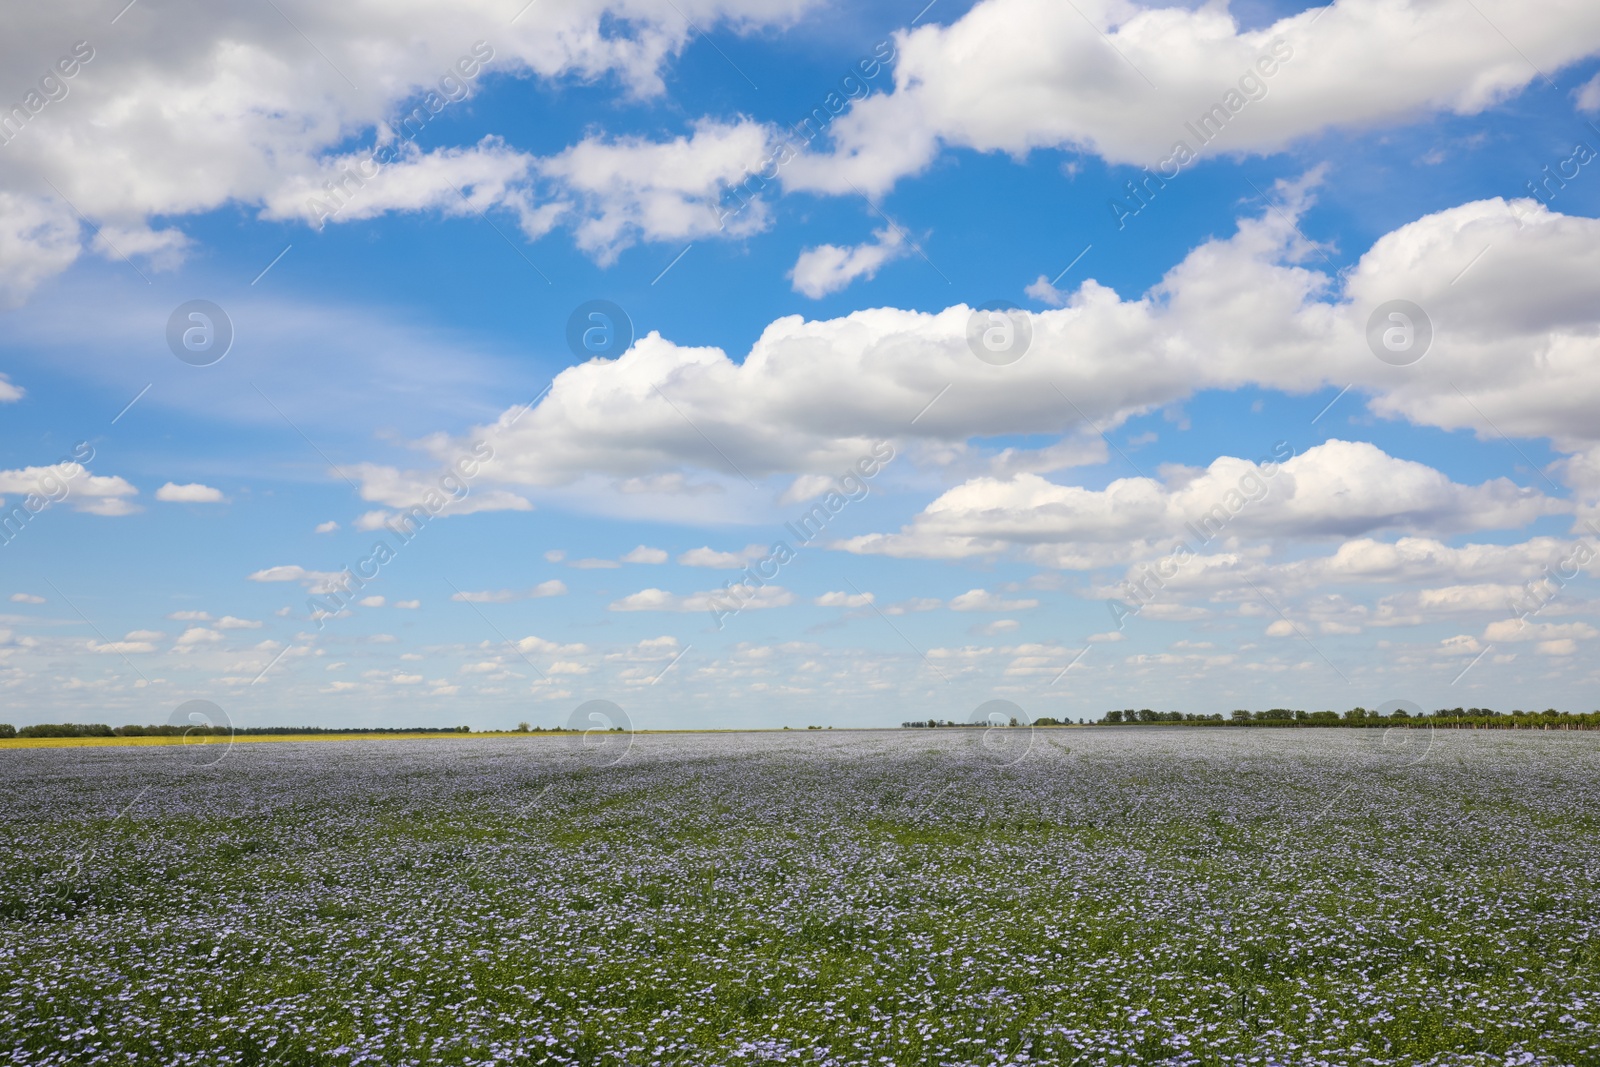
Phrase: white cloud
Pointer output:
(244, 91)
(318, 582)
(137, 641)
(829, 268)
(983, 600)
(193, 493)
(198, 635)
(408, 605)
(1561, 647)
(327, 527)
(553, 587)
(1044, 291)
(372, 602)
(9, 393)
(594, 564)
(1508, 630)
(1121, 80)
(39, 238)
(71, 484)
(807, 487)
(843, 600)
(629, 189)
(228, 622)
(551, 648)
(1439, 583)
(765, 596)
(915, 604)
(26, 598)
(488, 173)
(643, 554)
(1587, 96)
(706, 556)
(1247, 310)
(425, 490)
(190, 616)
(1336, 489)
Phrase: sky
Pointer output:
(751, 363)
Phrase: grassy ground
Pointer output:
(1120, 897)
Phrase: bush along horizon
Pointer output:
(1447, 718)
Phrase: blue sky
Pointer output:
(182, 529)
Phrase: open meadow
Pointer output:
(1097, 896)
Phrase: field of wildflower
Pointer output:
(1099, 895)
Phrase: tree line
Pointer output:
(70, 729)
(1478, 718)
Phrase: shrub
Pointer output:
(66, 729)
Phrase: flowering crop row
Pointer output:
(899, 897)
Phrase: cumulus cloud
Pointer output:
(914, 605)
(843, 600)
(644, 554)
(9, 393)
(316, 581)
(193, 493)
(705, 556)
(1336, 489)
(26, 598)
(71, 484)
(1246, 310)
(983, 600)
(1434, 582)
(195, 636)
(553, 587)
(551, 648)
(1587, 96)
(1121, 80)
(1508, 630)
(629, 189)
(440, 493)
(829, 268)
(241, 89)
(765, 596)
(136, 641)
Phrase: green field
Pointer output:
(1096, 896)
